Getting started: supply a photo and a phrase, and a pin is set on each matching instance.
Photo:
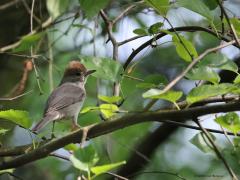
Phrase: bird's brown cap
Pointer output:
(75, 67)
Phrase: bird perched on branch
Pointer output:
(67, 99)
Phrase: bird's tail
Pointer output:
(42, 123)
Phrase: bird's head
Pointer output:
(76, 72)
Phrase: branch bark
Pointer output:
(114, 125)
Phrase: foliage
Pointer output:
(165, 53)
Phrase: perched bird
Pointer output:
(67, 99)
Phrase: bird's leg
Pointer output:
(52, 134)
(85, 133)
(75, 125)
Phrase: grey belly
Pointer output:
(72, 110)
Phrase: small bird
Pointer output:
(67, 99)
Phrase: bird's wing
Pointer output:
(63, 96)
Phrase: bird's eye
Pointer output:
(78, 74)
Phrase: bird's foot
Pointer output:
(75, 127)
(53, 136)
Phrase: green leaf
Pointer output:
(171, 96)
(3, 131)
(17, 116)
(105, 168)
(57, 7)
(206, 91)
(236, 24)
(202, 143)
(6, 171)
(110, 99)
(203, 73)
(237, 79)
(184, 47)
(219, 61)
(197, 6)
(105, 68)
(230, 121)
(89, 108)
(28, 41)
(161, 6)
(84, 158)
(146, 85)
(140, 31)
(155, 28)
(211, 4)
(153, 81)
(108, 110)
(92, 7)
(71, 147)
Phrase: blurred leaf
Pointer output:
(57, 7)
(108, 110)
(206, 91)
(140, 31)
(71, 147)
(89, 108)
(84, 158)
(153, 81)
(220, 61)
(202, 143)
(105, 168)
(155, 28)
(198, 7)
(3, 131)
(106, 68)
(230, 121)
(28, 41)
(236, 24)
(92, 7)
(237, 79)
(161, 6)
(236, 142)
(17, 116)
(211, 4)
(184, 48)
(203, 73)
(6, 171)
(110, 99)
(171, 96)
(146, 85)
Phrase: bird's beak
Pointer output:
(89, 72)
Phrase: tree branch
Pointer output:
(114, 125)
(160, 35)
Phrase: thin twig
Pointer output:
(31, 49)
(180, 124)
(125, 12)
(16, 97)
(46, 24)
(8, 4)
(179, 38)
(235, 37)
(188, 68)
(50, 66)
(109, 24)
(130, 39)
(157, 172)
(217, 151)
(25, 4)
